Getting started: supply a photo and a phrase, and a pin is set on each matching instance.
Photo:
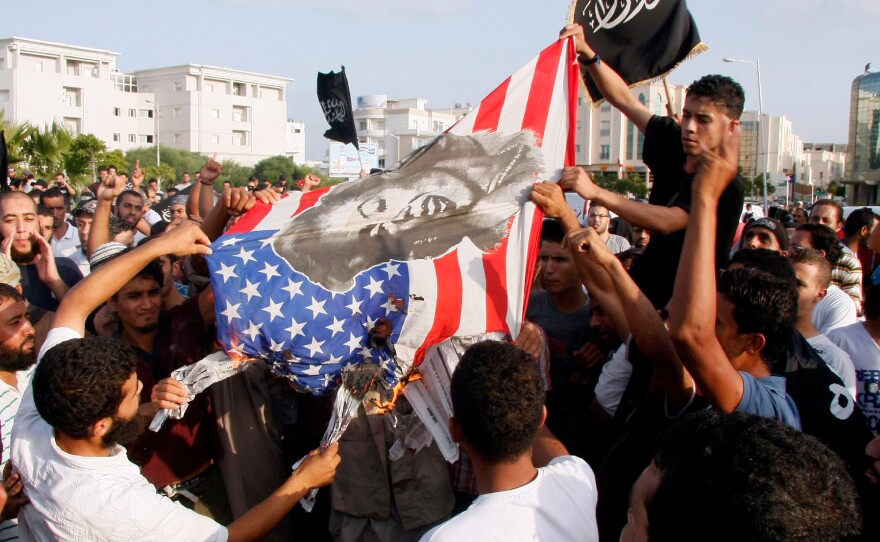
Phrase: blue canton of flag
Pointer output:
(308, 334)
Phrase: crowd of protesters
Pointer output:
(689, 369)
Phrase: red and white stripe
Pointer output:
(466, 292)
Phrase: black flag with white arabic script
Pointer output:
(640, 39)
(335, 99)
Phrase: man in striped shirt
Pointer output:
(17, 357)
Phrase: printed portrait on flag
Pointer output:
(376, 271)
(459, 186)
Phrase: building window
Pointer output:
(215, 113)
(577, 148)
(605, 107)
(178, 86)
(605, 128)
(579, 125)
(145, 138)
(239, 89)
(117, 137)
(175, 112)
(132, 138)
(215, 138)
(176, 138)
(209, 87)
(38, 65)
(132, 113)
(605, 152)
(239, 113)
(363, 125)
(145, 113)
(72, 96)
(239, 138)
(117, 112)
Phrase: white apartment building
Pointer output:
(398, 127)
(784, 148)
(295, 141)
(607, 142)
(239, 115)
(43, 82)
(824, 162)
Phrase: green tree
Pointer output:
(632, 184)
(162, 172)
(273, 167)
(836, 189)
(45, 149)
(176, 159)
(16, 134)
(81, 163)
(235, 173)
(115, 158)
(748, 187)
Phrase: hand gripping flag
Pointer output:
(640, 39)
(378, 269)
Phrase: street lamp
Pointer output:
(763, 143)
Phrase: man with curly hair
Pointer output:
(81, 408)
(732, 477)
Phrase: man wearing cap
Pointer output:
(766, 233)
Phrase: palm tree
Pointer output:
(16, 134)
(46, 149)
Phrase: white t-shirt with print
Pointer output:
(865, 355)
(837, 359)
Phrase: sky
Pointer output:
(457, 51)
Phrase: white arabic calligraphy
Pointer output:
(334, 110)
(606, 15)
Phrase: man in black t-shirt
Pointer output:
(711, 114)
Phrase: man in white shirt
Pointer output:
(498, 405)
(813, 273)
(837, 308)
(83, 404)
(17, 357)
(65, 238)
(860, 340)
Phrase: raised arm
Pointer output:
(648, 330)
(110, 187)
(613, 88)
(655, 218)
(694, 307)
(97, 288)
(201, 198)
(137, 179)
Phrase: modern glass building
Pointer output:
(863, 159)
